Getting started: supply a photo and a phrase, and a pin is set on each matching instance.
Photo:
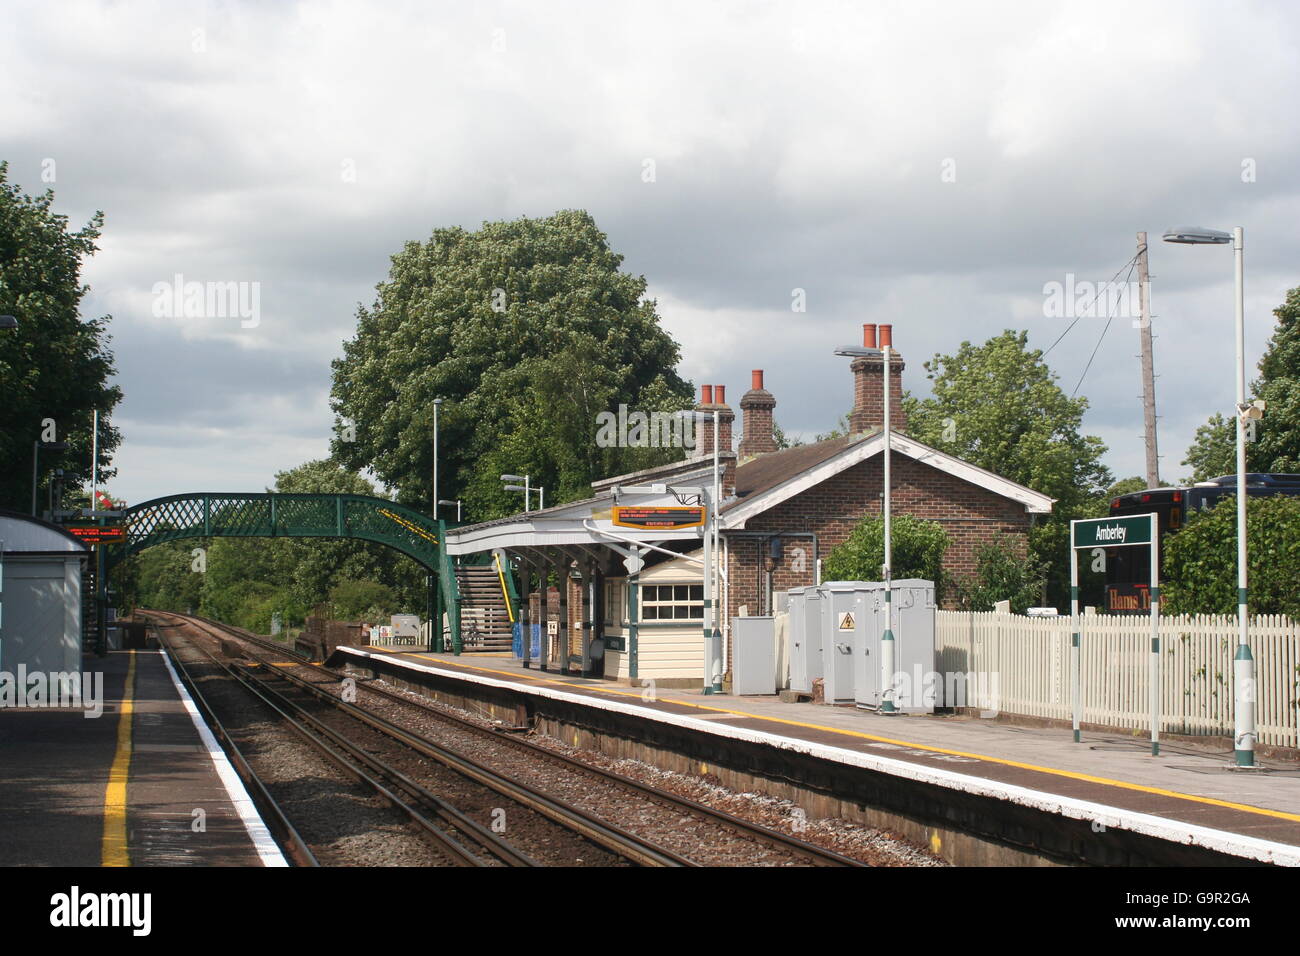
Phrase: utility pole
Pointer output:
(1148, 365)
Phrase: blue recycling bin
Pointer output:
(535, 646)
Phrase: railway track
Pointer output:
(765, 837)
(340, 737)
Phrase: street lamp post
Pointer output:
(444, 501)
(1243, 665)
(527, 489)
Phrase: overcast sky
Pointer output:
(933, 166)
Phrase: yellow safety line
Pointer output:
(115, 852)
(408, 525)
(1071, 774)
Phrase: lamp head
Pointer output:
(1197, 235)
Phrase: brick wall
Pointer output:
(970, 515)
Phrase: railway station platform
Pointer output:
(125, 774)
(975, 790)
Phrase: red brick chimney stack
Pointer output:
(713, 397)
(756, 405)
(868, 383)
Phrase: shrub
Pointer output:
(355, 600)
(1200, 561)
(918, 547)
(1004, 573)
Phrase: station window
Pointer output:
(672, 602)
(615, 612)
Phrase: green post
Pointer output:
(1155, 637)
(633, 589)
(435, 626)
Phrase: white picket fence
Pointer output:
(1029, 659)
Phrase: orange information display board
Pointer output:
(97, 534)
(670, 517)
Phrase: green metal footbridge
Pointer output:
(277, 515)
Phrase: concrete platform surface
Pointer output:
(1187, 794)
(140, 784)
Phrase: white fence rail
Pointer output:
(1028, 660)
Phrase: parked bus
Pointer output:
(1128, 570)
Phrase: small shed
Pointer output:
(40, 595)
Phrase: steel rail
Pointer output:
(286, 834)
(612, 837)
(756, 831)
(459, 853)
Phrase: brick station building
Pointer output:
(812, 496)
(782, 512)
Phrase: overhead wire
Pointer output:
(1109, 320)
(1128, 265)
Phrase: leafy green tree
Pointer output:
(1125, 486)
(237, 569)
(54, 367)
(1276, 444)
(1213, 451)
(1031, 434)
(1004, 572)
(783, 441)
(1200, 561)
(317, 565)
(918, 549)
(161, 578)
(527, 329)
(363, 600)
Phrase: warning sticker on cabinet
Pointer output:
(846, 621)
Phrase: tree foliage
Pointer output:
(1276, 444)
(1213, 451)
(1004, 572)
(1277, 447)
(527, 329)
(918, 549)
(54, 366)
(998, 405)
(1200, 561)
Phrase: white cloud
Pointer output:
(794, 147)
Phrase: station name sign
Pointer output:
(97, 534)
(1111, 532)
(669, 517)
